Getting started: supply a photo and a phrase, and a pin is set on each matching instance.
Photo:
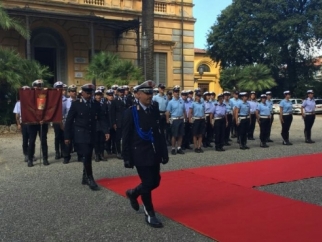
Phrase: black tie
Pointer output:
(147, 110)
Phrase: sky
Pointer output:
(206, 12)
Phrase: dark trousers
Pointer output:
(187, 135)
(163, 124)
(228, 127)
(150, 179)
(33, 130)
(286, 126)
(99, 142)
(118, 137)
(25, 138)
(251, 127)
(59, 138)
(110, 144)
(220, 128)
(264, 124)
(308, 123)
(242, 131)
(86, 152)
(234, 128)
(209, 131)
(270, 126)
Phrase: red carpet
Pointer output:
(229, 212)
(265, 172)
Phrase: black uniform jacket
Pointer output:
(136, 150)
(104, 118)
(82, 118)
(117, 109)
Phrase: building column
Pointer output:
(28, 47)
(92, 40)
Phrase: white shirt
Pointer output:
(17, 110)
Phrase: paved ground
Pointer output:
(50, 204)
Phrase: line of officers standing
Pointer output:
(185, 117)
(201, 118)
(112, 106)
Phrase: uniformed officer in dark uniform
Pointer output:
(110, 144)
(118, 106)
(141, 137)
(82, 116)
(100, 135)
(33, 130)
(58, 129)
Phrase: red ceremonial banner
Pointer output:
(41, 104)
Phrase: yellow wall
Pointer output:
(211, 78)
(76, 35)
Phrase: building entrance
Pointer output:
(49, 49)
(47, 57)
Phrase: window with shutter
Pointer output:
(160, 68)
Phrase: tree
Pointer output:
(109, 69)
(256, 78)
(148, 29)
(269, 32)
(6, 22)
(248, 78)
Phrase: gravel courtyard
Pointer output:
(49, 203)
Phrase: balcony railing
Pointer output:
(95, 2)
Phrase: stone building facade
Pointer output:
(208, 79)
(66, 33)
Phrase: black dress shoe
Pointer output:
(222, 149)
(45, 162)
(92, 184)
(309, 141)
(227, 144)
(269, 140)
(242, 147)
(119, 156)
(133, 199)
(57, 156)
(152, 220)
(197, 150)
(66, 161)
(246, 147)
(180, 151)
(200, 150)
(97, 158)
(30, 164)
(173, 152)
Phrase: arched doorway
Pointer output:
(49, 49)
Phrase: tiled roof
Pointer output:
(201, 51)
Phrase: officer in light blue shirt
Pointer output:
(270, 104)
(229, 114)
(263, 115)
(286, 117)
(176, 109)
(197, 118)
(308, 114)
(253, 106)
(208, 136)
(219, 114)
(242, 119)
(187, 125)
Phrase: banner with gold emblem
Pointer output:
(41, 105)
